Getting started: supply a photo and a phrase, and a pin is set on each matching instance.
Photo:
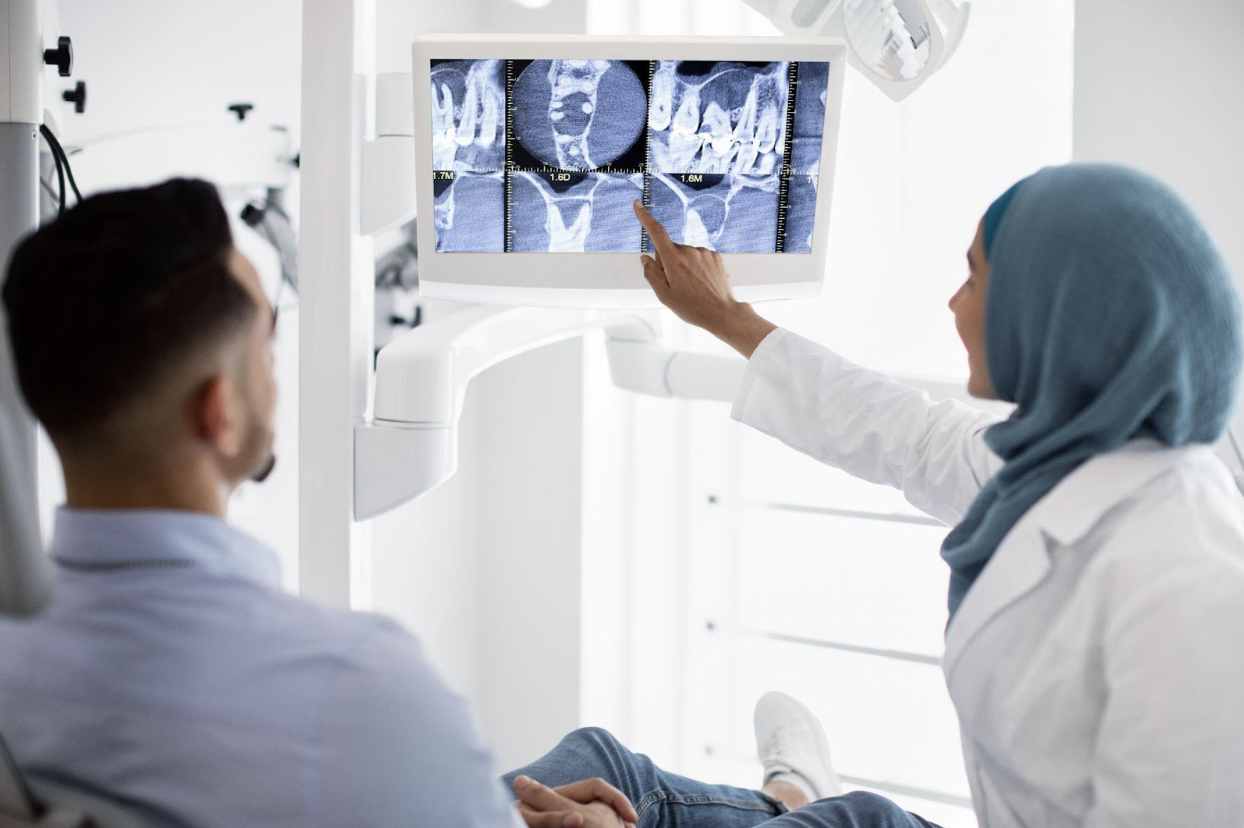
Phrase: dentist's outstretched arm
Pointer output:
(692, 282)
(818, 403)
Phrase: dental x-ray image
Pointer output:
(575, 212)
(468, 115)
(811, 87)
(800, 214)
(578, 115)
(726, 213)
(469, 212)
(723, 117)
(468, 155)
(549, 155)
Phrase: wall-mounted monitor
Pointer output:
(530, 153)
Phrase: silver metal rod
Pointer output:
(893, 655)
(25, 571)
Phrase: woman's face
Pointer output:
(968, 306)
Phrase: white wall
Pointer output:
(1158, 87)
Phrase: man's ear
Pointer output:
(217, 416)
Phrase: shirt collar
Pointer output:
(112, 538)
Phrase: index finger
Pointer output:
(656, 230)
(541, 797)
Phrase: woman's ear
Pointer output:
(217, 415)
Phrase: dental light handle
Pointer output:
(804, 17)
(868, 28)
(25, 571)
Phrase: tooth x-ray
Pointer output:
(574, 212)
(548, 155)
(579, 114)
(735, 213)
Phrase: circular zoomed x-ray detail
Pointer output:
(578, 114)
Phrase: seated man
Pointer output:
(170, 671)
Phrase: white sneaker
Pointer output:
(793, 748)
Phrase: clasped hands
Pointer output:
(592, 803)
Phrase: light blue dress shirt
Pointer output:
(172, 672)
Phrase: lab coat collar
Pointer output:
(116, 540)
(1072, 508)
(1061, 518)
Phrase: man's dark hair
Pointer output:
(117, 295)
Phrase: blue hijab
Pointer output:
(1109, 315)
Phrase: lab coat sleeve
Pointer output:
(1169, 751)
(867, 424)
(400, 749)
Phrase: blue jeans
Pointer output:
(666, 800)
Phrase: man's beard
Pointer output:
(261, 474)
(257, 451)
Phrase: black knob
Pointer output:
(252, 215)
(241, 109)
(61, 57)
(76, 96)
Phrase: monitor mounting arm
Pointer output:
(410, 443)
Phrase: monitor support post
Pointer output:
(25, 572)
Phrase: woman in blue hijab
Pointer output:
(1108, 316)
(1095, 648)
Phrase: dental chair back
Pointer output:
(26, 580)
(26, 803)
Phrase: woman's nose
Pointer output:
(954, 298)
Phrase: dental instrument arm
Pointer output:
(409, 446)
(239, 155)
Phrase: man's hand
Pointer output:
(692, 282)
(592, 803)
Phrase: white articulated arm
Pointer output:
(230, 155)
(410, 445)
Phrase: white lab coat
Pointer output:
(1097, 664)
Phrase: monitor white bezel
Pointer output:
(543, 279)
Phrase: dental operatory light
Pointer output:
(896, 44)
